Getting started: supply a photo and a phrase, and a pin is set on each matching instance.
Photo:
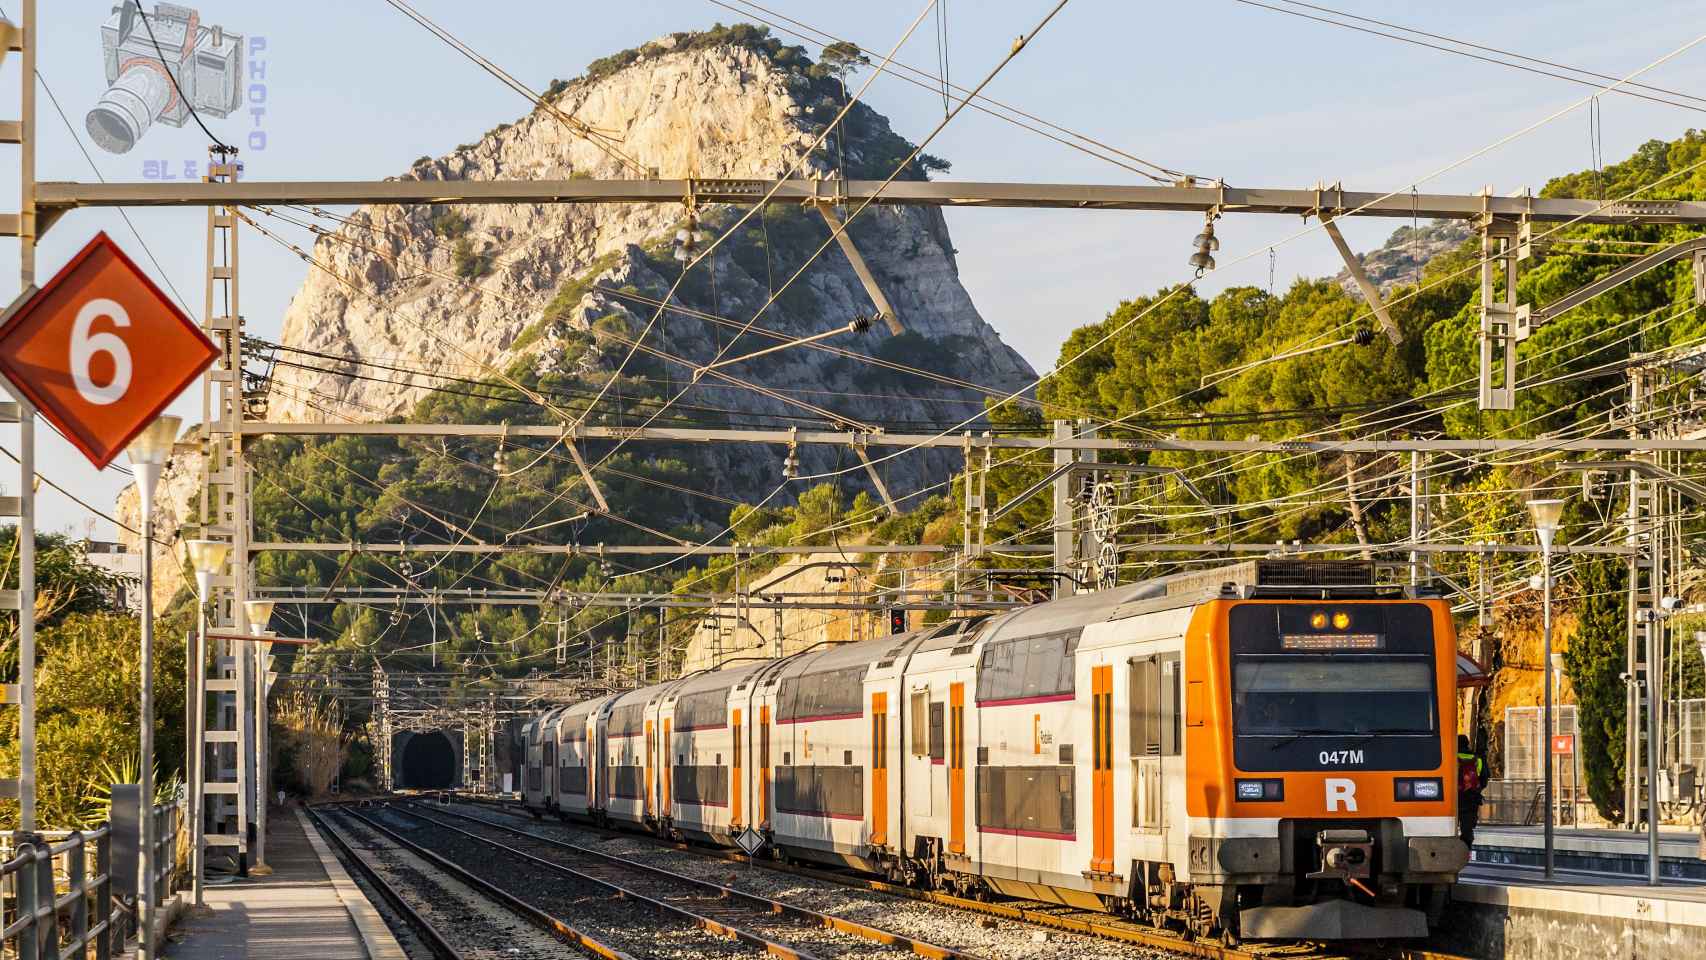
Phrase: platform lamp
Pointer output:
(206, 557)
(259, 613)
(1546, 515)
(149, 452)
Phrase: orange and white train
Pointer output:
(1264, 750)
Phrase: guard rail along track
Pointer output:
(715, 907)
(1049, 916)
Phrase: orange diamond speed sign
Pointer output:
(100, 351)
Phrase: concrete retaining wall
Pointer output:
(1496, 922)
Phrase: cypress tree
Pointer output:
(1593, 662)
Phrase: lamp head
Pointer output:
(149, 452)
(259, 613)
(207, 556)
(1546, 515)
(153, 446)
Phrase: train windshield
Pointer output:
(1334, 686)
(1332, 696)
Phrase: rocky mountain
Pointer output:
(1401, 258)
(412, 295)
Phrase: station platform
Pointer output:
(307, 907)
(1610, 851)
(1512, 910)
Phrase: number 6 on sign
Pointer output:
(84, 347)
(100, 351)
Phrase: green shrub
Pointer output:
(470, 264)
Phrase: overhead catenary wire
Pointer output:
(1446, 168)
(1670, 98)
(604, 142)
(840, 228)
(148, 25)
(983, 103)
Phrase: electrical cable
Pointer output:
(1466, 43)
(186, 101)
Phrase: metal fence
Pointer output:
(60, 898)
(1524, 770)
(1691, 732)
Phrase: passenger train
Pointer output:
(1264, 750)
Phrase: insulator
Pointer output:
(1363, 337)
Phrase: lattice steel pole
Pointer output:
(223, 515)
(24, 600)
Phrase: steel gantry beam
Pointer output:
(959, 441)
(57, 198)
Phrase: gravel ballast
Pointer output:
(992, 937)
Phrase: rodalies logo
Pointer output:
(162, 64)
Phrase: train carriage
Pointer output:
(576, 758)
(820, 756)
(705, 743)
(629, 734)
(1262, 750)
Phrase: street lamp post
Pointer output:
(259, 614)
(1546, 515)
(206, 558)
(148, 455)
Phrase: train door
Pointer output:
(665, 770)
(957, 768)
(763, 765)
(879, 768)
(1102, 769)
(548, 760)
(735, 781)
(650, 761)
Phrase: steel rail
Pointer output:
(440, 946)
(545, 921)
(1088, 923)
(922, 948)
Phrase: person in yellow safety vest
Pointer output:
(1471, 780)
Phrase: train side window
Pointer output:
(921, 723)
(1145, 707)
(938, 733)
(1172, 732)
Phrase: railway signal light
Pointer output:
(897, 620)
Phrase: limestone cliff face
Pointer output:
(468, 290)
(1401, 258)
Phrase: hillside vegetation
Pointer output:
(1143, 371)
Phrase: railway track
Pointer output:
(1045, 916)
(455, 915)
(761, 923)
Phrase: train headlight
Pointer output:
(1341, 620)
(1418, 788)
(1260, 791)
(1318, 619)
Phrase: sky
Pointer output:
(1216, 88)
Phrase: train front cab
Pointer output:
(1320, 791)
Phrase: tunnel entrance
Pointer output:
(429, 760)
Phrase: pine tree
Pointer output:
(1593, 661)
